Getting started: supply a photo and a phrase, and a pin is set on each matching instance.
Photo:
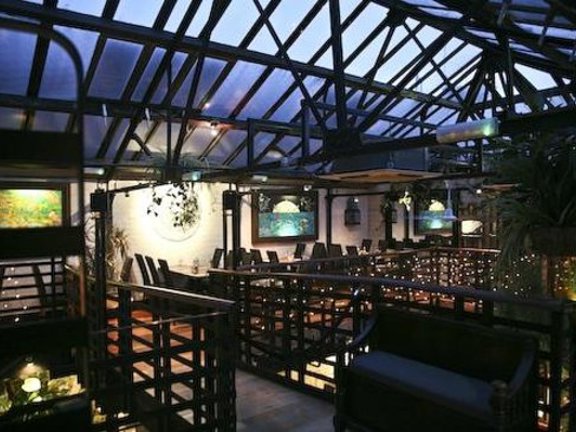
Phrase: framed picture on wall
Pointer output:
(433, 218)
(25, 205)
(281, 216)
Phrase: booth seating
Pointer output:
(425, 373)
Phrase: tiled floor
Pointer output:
(264, 406)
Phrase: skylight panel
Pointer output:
(16, 58)
(162, 89)
(210, 71)
(137, 12)
(541, 80)
(114, 69)
(276, 84)
(234, 88)
(83, 40)
(199, 20)
(238, 18)
(148, 73)
(357, 32)
(442, 12)
(227, 144)
(393, 66)
(347, 7)
(11, 118)
(92, 7)
(96, 128)
(367, 58)
(178, 13)
(59, 76)
(315, 34)
(50, 121)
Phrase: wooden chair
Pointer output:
(272, 256)
(334, 250)
(215, 261)
(143, 269)
(245, 257)
(156, 280)
(299, 252)
(351, 250)
(366, 244)
(382, 245)
(166, 274)
(126, 270)
(256, 256)
(229, 260)
(319, 251)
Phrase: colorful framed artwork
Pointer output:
(279, 216)
(33, 206)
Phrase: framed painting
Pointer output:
(33, 205)
(281, 216)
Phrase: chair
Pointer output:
(215, 261)
(143, 270)
(272, 256)
(256, 256)
(319, 251)
(366, 244)
(126, 269)
(165, 271)
(334, 250)
(352, 250)
(156, 280)
(300, 248)
(382, 245)
(245, 257)
(229, 260)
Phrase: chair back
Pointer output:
(126, 269)
(366, 245)
(319, 251)
(166, 275)
(352, 250)
(143, 270)
(229, 260)
(334, 250)
(300, 248)
(382, 245)
(153, 271)
(272, 256)
(215, 261)
(256, 256)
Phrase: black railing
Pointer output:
(163, 359)
(291, 325)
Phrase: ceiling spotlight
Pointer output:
(307, 188)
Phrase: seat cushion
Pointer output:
(460, 393)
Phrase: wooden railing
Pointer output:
(291, 325)
(163, 359)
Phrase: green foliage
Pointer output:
(541, 169)
(116, 249)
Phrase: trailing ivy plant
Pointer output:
(180, 200)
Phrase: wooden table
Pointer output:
(184, 277)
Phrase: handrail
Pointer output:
(167, 293)
(461, 291)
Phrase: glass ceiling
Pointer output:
(233, 75)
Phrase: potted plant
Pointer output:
(537, 206)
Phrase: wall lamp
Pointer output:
(214, 128)
(484, 128)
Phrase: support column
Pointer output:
(329, 200)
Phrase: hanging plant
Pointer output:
(180, 201)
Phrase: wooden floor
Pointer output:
(264, 406)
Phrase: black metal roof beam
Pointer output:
(108, 14)
(338, 62)
(38, 65)
(218, 8)
(424, 58)
(136, 75)
(445, 24)
(164, 39)
(156, 79)
(291, 66)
